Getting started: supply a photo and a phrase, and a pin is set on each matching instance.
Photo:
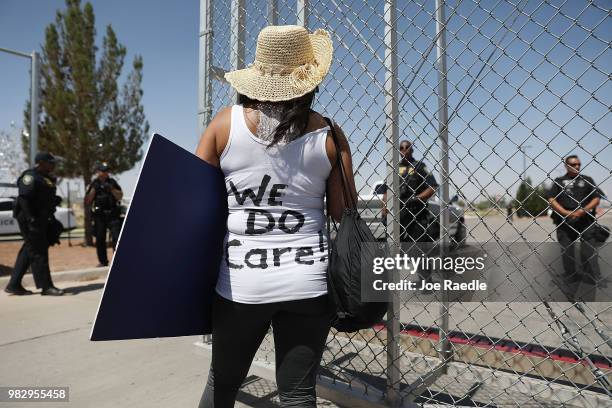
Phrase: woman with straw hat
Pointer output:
(280, 163)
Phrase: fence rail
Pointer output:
(493, 95)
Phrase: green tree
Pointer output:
(483, 205)
(86, 117)
(530, 201)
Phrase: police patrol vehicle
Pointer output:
(9, 226)
(370, 207)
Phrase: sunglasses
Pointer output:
(404, 147)
(574, 164)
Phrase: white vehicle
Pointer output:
(370, 207)
(9, 226)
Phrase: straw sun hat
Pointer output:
(289, 63)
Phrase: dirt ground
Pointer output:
(61, 257)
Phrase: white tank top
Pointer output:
(276, 241)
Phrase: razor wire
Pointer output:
(528, 84)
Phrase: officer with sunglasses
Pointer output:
(574, 198)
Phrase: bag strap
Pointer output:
(346, 191)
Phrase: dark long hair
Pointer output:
(295, 115)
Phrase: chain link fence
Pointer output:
(493, 96)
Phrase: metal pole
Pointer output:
(444, 345)
(69, 212)
(302, 13)
(205, 79)
(17, 53)
(523, 150)
(392, 142)
(34, 108)
(272, 12)
(236, 40)
(34, 94)
(205, 61)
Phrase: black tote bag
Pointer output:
(352, 247)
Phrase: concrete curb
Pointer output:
(64, 276)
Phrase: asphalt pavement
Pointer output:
(44, 341)
(526, 322)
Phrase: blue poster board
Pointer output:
(164, 271)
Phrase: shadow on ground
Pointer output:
(257, 392)
(5, 270)
(75, 290)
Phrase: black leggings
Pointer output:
(300, 329)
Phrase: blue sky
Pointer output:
(528, 95)
(165, 34)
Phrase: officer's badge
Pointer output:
(49, 182)
(410, 171)
(402, 171)
(27, 179)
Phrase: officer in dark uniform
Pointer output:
(34, 208)
(417, 186)
(574, 198)
(105, 196)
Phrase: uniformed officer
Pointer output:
(34, 208)
(105, 195)
(509, 211)
(417, 186)
(574, 198)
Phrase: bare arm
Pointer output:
(565, 213)
(118, 194)
(213, 140)
(91, 194)
(426, 194)
(558, 208)
(593, 204)
(335, 196)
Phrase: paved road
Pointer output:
(44, 342)
(526, 322)
(485, 229)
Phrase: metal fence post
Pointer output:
(205, 61)
(34, 108)
(392, 138)
(302, 13)
(272, 6)
(34, 97)
(205, 78)
(444, 345)
(236, 40)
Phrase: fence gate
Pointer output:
(493, 95)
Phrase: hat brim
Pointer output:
(281, 87)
